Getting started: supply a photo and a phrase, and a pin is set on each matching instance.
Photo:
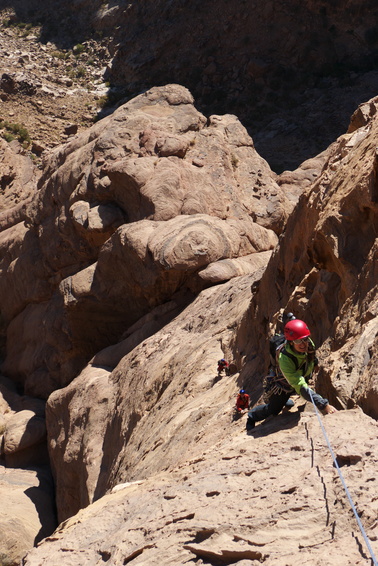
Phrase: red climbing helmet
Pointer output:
(296, 329)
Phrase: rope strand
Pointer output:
(374, 560)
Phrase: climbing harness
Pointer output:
(374, 560)
(275, 385)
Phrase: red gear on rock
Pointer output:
(242, 402)
(222, 365)
(296, 330)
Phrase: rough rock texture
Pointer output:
(272, 497)
(27, 511)
(22, 428)
(18, 179)
(136, 207)
(155, 407)
(143, 407)
(130, 222)
(325, 271)
(152, 400)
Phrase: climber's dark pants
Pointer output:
(275, 406)
(277, 402)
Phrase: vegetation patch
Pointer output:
(15, 131)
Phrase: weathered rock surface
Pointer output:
(155, 402)
(271, 497)
(151, 404)
(325, 271)
(138, 206)
(27, 511)
(22, 428)
(18, 178)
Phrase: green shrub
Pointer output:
(8, 137)
(80, 72)
(60, 55)
(77, 49)
(15, 131)
(102, 101)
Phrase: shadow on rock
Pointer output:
(275, 423)
(43, 499)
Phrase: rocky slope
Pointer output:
(164, 418)
(47, 91)
(270, 498)
(132, 258)
(293, 73)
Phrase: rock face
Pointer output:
(155, 403)
(27, 514)
(158, 404)
(26, 486)
(137, 258)
(18, 178)
(325, 271)
(137, 207)
(133, 220)
(272, 497)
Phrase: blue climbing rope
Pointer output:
(344, 484)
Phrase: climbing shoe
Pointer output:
(250, 424)
(289, 403)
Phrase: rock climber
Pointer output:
(277, 340)
(242, 401)
(223, 366)
(296, 363)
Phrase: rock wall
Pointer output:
(151, 401)
(323, 265)
(135, 411)
(324, 270)
(136, 210)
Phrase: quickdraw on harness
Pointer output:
(275, 385)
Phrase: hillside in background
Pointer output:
(292, 72)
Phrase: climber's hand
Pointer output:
(329, 409)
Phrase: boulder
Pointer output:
(12, 83)
(135, 207)
(22, 428)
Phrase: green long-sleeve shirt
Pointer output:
(296, 377)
